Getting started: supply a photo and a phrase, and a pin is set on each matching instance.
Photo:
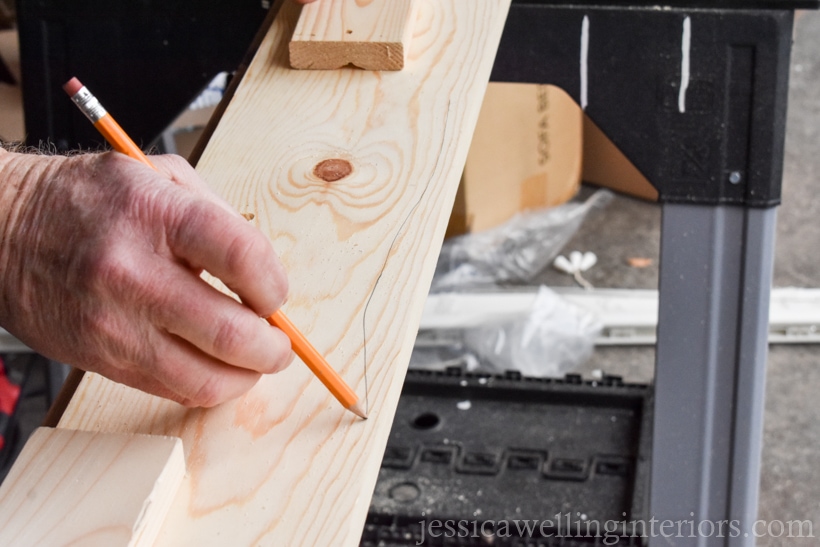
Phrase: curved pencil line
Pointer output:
(390, 249)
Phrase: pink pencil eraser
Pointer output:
(72, 86)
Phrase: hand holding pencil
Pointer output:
(101, 261)
(220, 259)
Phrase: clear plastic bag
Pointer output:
(557, 337)
(516, 251)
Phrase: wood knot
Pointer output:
(333, 169)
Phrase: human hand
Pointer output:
(101, 258)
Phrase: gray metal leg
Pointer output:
(715, 280)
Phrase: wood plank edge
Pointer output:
(156, 508)
(233, 84)
(55, 413)
(306, 55)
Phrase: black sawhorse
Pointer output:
(694, 93)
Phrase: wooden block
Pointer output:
(81, 488)
(374, 35)
(285, 464)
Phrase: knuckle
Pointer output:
(110, 270)
(244, 251)
(274, 279)
(178, 167)
(177, 162)
(283, 356)
(230, 339)
(187, 403)
(209, 394)
(280, 284)
(274, 365)
(110, 160)
(251, 262)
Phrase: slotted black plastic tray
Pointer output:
(470, 449)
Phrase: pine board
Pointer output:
(285, 465)
(371, 34)
(80, 488)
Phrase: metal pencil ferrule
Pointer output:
(89, 105)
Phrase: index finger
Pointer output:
(180, 172)
(229, 248)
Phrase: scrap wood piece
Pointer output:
(373, 35)
(285, 464)
(83, 488)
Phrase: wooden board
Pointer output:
(80, 488)
(285, 465)
(371, 34)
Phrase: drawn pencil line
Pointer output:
(390, 250)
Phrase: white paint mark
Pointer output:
(464, 405)
(685, 46)
(584, 55)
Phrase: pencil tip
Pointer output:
(357, 410)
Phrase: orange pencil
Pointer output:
(314, 360)
(121, 142)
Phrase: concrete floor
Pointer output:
(790, 482)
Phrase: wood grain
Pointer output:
(80, 488)
(369, 34)
(285, 464)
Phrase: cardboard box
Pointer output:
(12, 128)
(526, 153)
(187, 129)
(605, 165)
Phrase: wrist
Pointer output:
(24, 179)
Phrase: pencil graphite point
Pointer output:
(357, 410)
